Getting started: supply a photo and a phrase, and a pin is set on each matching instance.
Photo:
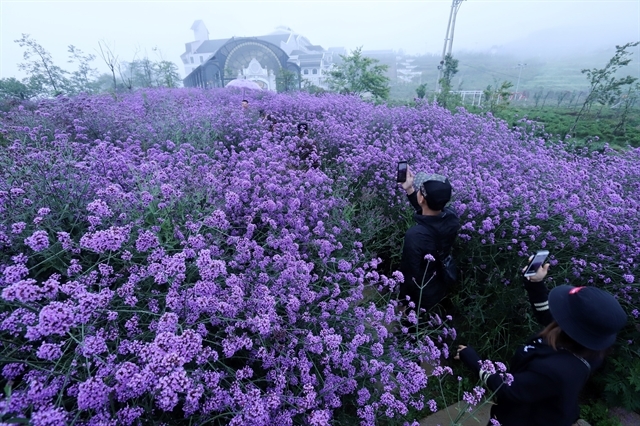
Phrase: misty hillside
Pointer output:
(540, 71)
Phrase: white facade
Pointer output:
(314, 61)
(265, 78)
(192, 59)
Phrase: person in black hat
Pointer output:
(428, 241)
(549, 371)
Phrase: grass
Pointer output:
(592, 130)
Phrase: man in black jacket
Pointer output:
(428, 241)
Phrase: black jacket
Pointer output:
(547, 382)
(421, 239)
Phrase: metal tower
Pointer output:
(451, 26)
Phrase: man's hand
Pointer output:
(460, 349)
(541, 273)
(407, 185)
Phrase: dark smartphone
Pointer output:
(402, 171)
(536, 262)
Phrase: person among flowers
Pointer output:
(435, 230)
(307, 153)
(551, 368)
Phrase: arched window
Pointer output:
(306, 72)
(315, 71)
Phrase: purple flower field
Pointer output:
(170, 258)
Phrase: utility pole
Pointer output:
(521, 65)
(448, 39)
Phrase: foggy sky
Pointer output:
(417, 27)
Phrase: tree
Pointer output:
(12, 88)
(287, 81)
(604, 87)
(145, 73)
(126, 76)
(449, 69)
(537, 96)
(625, 106)
(498, 96)
(111, 60)
(562, 95)
(359, 75)
(421, 90)
(104, 83)
(83, 79)
(40, 66)
(168, 75)
(311, 88)
(166, 72)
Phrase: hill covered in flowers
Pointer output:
(169, 257)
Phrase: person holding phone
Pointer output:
(551, 368)
(430, 239)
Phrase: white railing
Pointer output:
(474, 95)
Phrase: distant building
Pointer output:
(213, 63)
(406, 71)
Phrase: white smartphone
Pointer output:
(536, 262)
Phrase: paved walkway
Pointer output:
(446, 416)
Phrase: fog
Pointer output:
(521, 27)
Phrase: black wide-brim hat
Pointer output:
(590, 316)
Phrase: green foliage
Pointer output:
(360, 75)
(12, 88)
(449, 69)
(167, 74)
(620, 378)
(421, 90)
(597, 414)
(497, 97)
(309, 87)
(551, 123)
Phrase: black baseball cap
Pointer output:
(589, 315)
(435, 188)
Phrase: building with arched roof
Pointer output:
(262, 59)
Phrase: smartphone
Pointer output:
(536, 262)
(402, 171)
